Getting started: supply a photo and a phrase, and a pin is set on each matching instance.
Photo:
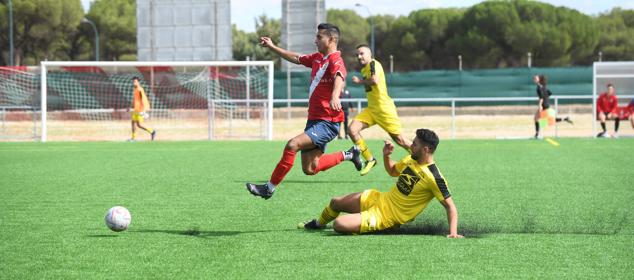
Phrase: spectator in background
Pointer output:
(345, 106)
(607, 109)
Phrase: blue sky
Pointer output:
(244, 12)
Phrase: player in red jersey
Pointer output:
(607, 106)
(324, 111)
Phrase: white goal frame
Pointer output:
(620, 70)
(269, 64)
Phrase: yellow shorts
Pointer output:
(136, 117)
(373, 217)
(387, 119)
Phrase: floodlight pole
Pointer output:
(371, 27)
(94, 28)
(10, 33)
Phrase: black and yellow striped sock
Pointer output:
(327, 216)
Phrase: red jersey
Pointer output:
(325, 69)
(607, 103)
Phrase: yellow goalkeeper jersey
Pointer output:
(377, 94)
(416, 186)
(140, 102)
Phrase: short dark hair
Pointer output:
(428, 137)
(610, 85)
(135, 78)
(331, 30)
(363, 46)
(542, 80)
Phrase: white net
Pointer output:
(19, 102)
(188, 102)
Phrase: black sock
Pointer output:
(616, 125)
(558, 119)
(603, 126)
(536, 128)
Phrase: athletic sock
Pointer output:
(133, 135)
(603, 126)
(616, 124)
(365, 152)
(283, 167)
(327, 216)
(536, 128)
(327, 161)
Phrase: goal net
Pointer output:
(618, 73)
(188, 100)
(19, 102)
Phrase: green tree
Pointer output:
(248, 43)
(500, 33)
(617, 35)
(40, 29)
(116, 24)
(354, 31)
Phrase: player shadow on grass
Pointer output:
(309, 181)
(439, 228)
(195, 232)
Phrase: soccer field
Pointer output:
(528, 209)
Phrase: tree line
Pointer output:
(492, 34)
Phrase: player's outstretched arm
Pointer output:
(389, 164)
(285, 54)
(452, 217)
(369, 82)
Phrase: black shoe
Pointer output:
(310, 225)
(153, 134)
(568, 120)
(259, 190)
(356, 157)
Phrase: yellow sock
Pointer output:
(133, 135)
(150, 130)
(365, 152)
(327, 216)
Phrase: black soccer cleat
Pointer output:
(310, 225)
(259, 190)
(153, 134)
(568, 120)
(356, 157)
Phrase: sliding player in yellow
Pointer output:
(419, 181)
(140, 105)
(381, 109)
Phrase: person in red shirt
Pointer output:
(324, 111)
(607, 109)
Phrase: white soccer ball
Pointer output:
(118, 218)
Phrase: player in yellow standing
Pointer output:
(140, 105)
(419, 181)
(381, 109)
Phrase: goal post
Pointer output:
(188, 100)
(618, 73)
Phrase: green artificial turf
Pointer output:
(528, 209)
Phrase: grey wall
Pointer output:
(299, 26)
(184, 30)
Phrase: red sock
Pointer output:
(327, 161)
(283, 167)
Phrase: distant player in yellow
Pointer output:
(419, 181)
(140, 105)
(381, 109)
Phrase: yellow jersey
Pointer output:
(377, 94)
(416, 186)
(140, 102)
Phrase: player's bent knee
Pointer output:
(292, 145)
(309, 170)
